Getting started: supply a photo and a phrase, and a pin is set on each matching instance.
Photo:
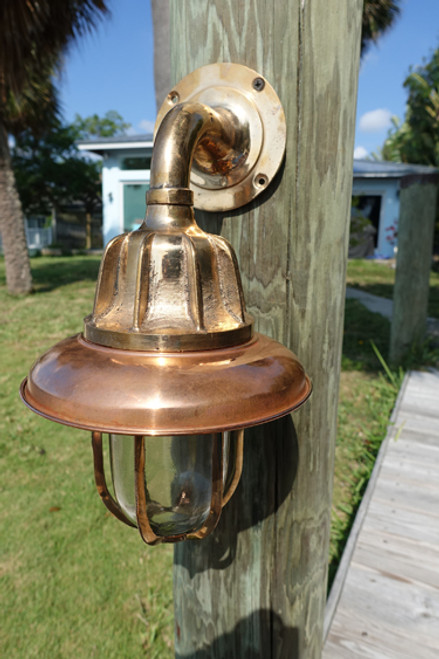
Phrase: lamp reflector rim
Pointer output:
(85, 385)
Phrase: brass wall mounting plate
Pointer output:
(238, 162)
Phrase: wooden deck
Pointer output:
(385, 599)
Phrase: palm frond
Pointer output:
(378, 17)
(36, 32)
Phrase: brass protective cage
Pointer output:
(169, 348)
(221, 493)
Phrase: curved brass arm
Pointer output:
(177, 138)
(230, 127)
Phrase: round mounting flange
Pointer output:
(238, 163)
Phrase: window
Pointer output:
(136, 162)
(134, 205)
(368, 207)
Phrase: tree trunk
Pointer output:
(256, 588)
(54, 224)
(88, 226)
(18, 273)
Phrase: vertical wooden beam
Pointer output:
(413, 264)
(257, 587)
(162, 52)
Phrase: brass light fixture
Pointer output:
(168, 364)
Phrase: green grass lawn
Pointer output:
(74, 581)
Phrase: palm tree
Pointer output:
(35, 35)
(378, 16)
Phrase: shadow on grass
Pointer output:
(382, 290)
(49, 273)
(386, 291)
(361, 326)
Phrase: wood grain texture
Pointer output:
(162, 50)
(415, 249)
(257, 587)
(389, 604)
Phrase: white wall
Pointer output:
(113, 179)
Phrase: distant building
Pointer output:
(126, 173)
(125, 180)
(375, 195)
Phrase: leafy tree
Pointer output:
(35, 34)
(94, 126)
(378, 17)
(50, 172)
(416, 139)
(41, 166)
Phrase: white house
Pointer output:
(125, 180)
(375, 192)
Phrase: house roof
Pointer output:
(119, 142)
(362, 168)
(383, 169)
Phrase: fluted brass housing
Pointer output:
(169, 288)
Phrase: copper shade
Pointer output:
(93, 387)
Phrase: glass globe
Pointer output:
(177, 478)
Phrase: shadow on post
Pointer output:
(263, 628)
(270, 464)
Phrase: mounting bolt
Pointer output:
(174, 97)
(258, 84)
(261, 180)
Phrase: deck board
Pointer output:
(388, 600)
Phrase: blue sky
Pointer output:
(385, 66)
(113, 69)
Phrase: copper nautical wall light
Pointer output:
(168, 364)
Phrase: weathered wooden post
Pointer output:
(257, 587)
(413, 264)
